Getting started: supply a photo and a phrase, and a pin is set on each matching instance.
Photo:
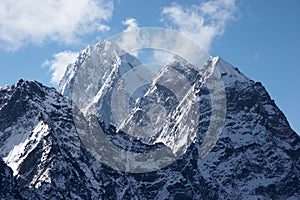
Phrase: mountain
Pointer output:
(48, 141)
(8, 184)
(96, 72)
(40, 144)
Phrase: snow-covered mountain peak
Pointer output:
(38, 140)
(256, 156)
(103, 56)
(176, 67)
(23, 89)
(90, 82)
(177, 60)
(229, 73)
(72, 68)
(109, 47)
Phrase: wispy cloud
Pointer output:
(63, 21)
(192, 26)
(131, 24)
(59, 64)
(103, 27)
(201, 22)
(128, 36)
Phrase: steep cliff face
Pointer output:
(95, 74)
(255, 155)
(40, 144)
(228, 137)
(8, 185)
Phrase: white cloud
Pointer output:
(59, 64)
(103, 27)
(190, 27)
(131, 24)
(163, 42)
(63, 21)
(128, 37)
(201, 22)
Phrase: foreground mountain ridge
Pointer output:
(256, 154)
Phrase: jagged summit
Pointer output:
(255, 155)
(73, 67)
(106, 53)
(230, 74)
(39, 142)
(96, 76)
(25, 90)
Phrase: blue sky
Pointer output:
(261, 37)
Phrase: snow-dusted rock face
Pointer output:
(8, 185)
(255, 155)
(95, 74)
(40, 144)
(168, 112)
